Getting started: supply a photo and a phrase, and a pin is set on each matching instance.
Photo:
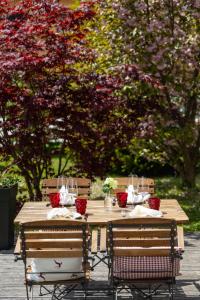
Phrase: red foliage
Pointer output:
(45, 98)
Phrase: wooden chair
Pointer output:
(143, 184)
(55, 253)
(51, 186)
(143, 255)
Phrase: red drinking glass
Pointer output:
(154, 203)
(122, 199)
(81, 205)
(54, 199)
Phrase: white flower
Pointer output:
(111, 183)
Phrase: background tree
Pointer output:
(40, 42)
(50, 100)
(162, 38)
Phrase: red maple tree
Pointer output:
(45, 97)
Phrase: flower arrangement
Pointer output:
(109, 184)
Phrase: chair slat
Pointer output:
(52, 223)
(53, 182)
(53, 244)
(141, 243)
(140, 252)
(56, 253)
(53, 234)
(139, 233)
(49, 190)
(143, 222)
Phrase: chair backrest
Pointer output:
(51, 239)
(143, 248)
(54, 238)
(51, 186)
(143, 237)
(143, 184)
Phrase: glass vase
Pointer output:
(108, 202)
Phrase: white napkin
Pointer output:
(66, 198)
(136, 198)
(141, 211)
(58, 212)
(63, 193)
(141, 197)
(130, 190)
(145, 196)
(76, 215)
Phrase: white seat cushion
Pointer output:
(61, 265)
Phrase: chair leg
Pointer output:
(40, 292)
(116, 294)
(27, 293)
(31, 292)
(171, 291)
(113, 294)
(85, 288)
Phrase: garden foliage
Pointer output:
(49, 100)
(162, 38)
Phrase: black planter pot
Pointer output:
(7, 214)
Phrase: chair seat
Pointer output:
(141, 267)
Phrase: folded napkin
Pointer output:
(136, 198)
(58, 212)
(62, 212)
(141, 197)
(141, 211)
(76, 215)
(130, 190)
(66, 198)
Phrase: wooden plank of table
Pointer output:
(96, 213)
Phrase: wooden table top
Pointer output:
(97, 215)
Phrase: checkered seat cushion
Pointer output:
(144, 267)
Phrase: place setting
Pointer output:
(65, 203)
(138, 209)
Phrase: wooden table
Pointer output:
(98, 216)
(33, 211)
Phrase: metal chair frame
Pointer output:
(61, 288)
(134, 285)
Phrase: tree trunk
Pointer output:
(33, 186)
(188, 167)
(188, 176)
(37, 190)
(29, 185)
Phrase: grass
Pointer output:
(170, 187)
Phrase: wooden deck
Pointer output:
(188, 285)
